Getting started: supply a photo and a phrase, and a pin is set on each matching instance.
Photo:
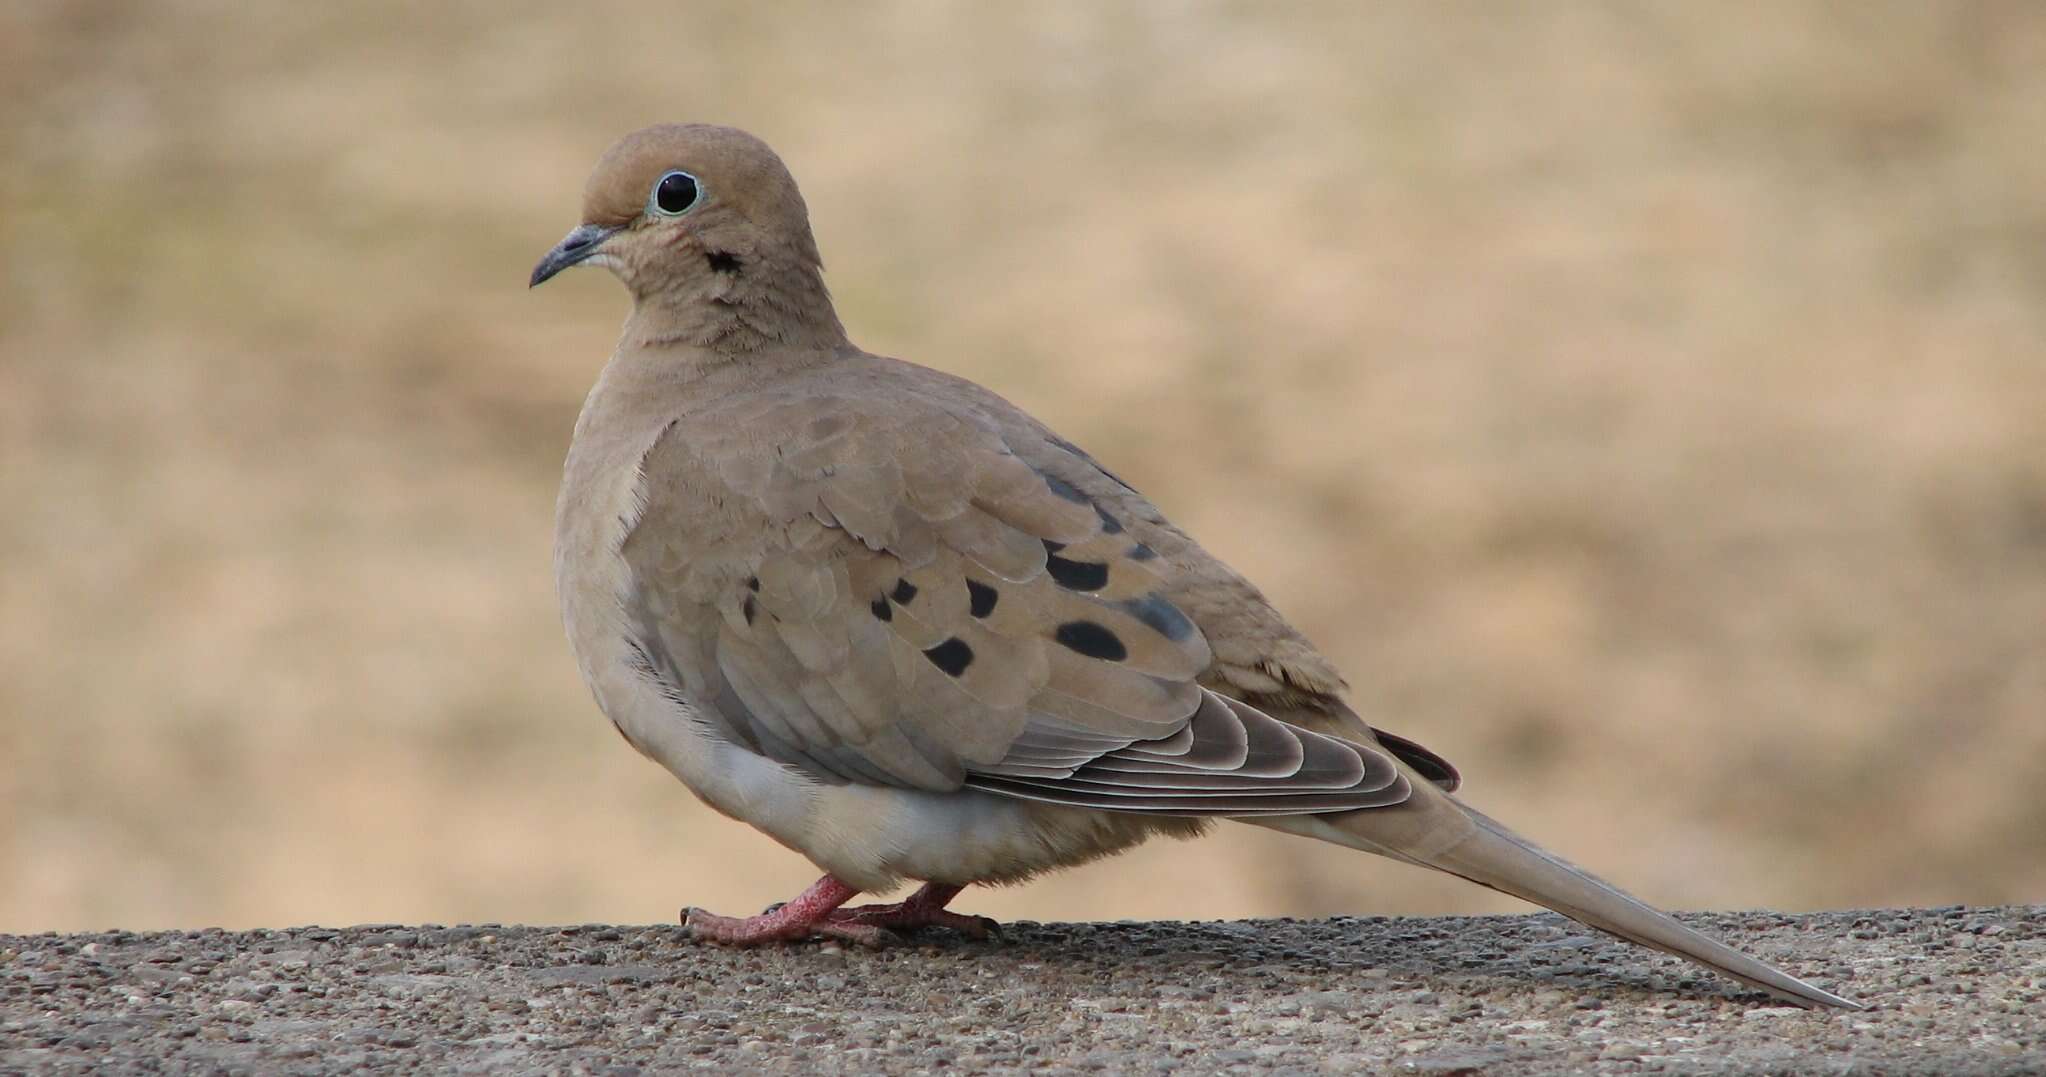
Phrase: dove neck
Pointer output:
(743, 306)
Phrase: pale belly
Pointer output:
(871, 837)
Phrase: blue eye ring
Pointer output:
(674, 194)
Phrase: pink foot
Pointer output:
(810, 913)
(925, 908)
(818, 911)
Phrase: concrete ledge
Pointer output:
(1952, 990)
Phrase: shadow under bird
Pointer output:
(901, 626)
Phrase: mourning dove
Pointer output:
(902, 627)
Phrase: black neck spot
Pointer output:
(722, 261)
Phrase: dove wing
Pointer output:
(868, 583)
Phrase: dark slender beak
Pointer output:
(577, 246)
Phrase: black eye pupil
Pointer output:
(676, 192)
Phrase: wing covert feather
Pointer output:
(883, 591)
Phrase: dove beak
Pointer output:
(574, 249)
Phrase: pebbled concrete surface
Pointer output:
(1953, 991)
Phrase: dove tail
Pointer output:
(1490, 855)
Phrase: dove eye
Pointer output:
(676, 193)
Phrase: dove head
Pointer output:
(705, 227)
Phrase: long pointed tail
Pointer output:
(1436, 831)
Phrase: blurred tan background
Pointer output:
(1645, 403)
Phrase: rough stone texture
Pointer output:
(1951, 991)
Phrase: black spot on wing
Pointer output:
(1430, 766)
(952, 656)
(1159, 615)
(749, 609)
(904, 593)
(1077, 575)
(1141, 552)
(1091, 462)
(1063, 489)
(1109, 524)
(1074, 575)
(981, 598)
(1091, 639)
(753, 584)
(882, 610)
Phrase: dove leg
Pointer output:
(808, 913)
(925, 908)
